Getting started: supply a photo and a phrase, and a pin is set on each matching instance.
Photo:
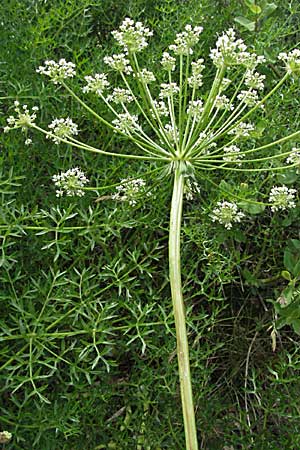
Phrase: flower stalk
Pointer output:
(179, 312)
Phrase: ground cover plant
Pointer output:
(70, 343)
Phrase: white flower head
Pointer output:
(70, 183)
(168, 62)
(130, 190)
(232, 154)
(146, 76)
(195, 108)
(57, 71)
(195, 80)
(119, 63)
(186, 40)
(291, 60)
(120, 95)
(132, 35)
(126, 123)
(62, 129)
(294, 158)
(254, 80)
(160, 107)
(230, 51)
(224, 84)
(282, 198)
(191, 189)
(96, 83)
(250, 98)
(226, 214)
(168, 89)
(223, 102)
(241, 130)
(24, 118)
(171, 133)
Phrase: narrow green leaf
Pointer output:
(246, 23)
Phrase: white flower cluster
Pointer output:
(130, 190)
(242, 129)
(282, 198)
(161, 108)
(97, 83)
(294, 158)
(70, 183)
(195, 80)
(168, 62)
(250, 98)
(191, 188)
(254, 80)
(224, 84)
(120, 95)
(119, 63)
(146, 76)
(186, 40)
(24, 118)
(168, 89)
(171, 133)
(291, 60)
(57, 71)
(230, 51)
(61, 129)
(226, 214)
(126, 123)
(223, 102)
(195, 108)
(132, 36)
(233, 154)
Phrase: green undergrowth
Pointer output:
(88, 348)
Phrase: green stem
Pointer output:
(179, 313)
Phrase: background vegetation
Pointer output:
(88, 358)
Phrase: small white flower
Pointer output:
(132, 35)
(70, 182)
(168, 89)
(119, 63)
(120, 95)
(232, 154)
(161, 108)
(62, 128)
(195, 108)
(294, 158)
(282, 198)
(226, 214)
(168, 62)
(28, 141)
(291, 60)
(186, 40)
(250, 98)
(146, 76)
(241, 130)
(223, 102)
(126, 123)
(224, 84)
(254, 80)
(130, 190)
(24, 119)
(230, 51)
(171, 133)
(97, 83)
(57, 71)
(195, 81)
(191, 188)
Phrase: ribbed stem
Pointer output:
(179, 313)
